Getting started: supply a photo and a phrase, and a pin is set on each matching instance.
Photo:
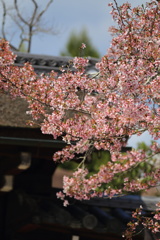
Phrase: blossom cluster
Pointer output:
(148, 223)
(99, 112)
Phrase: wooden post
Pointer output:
(8, 184)
(74, 237)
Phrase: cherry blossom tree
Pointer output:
(101, 111)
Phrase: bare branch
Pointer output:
(18, 13)
(33, 14)
(28, 26)
(119, 12)
(4, 19)
(43, 30)
(18, 23)
(44, 10)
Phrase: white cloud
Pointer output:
(145, 137)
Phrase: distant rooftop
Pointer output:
(44, 63)
(13, 111)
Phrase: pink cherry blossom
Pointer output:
(94, 113)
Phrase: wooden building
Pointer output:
(29, 209)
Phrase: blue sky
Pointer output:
(69, 15)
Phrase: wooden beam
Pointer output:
(126, 202)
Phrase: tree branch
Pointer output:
(120, 15)
(4, 19)
(42, 12)
(34, 13)
(18, 13)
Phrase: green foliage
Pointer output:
(101, 157)
(143, 146)
(137, 171)
(22, 48)
(73, 46)
(68, 165)
(98, 158)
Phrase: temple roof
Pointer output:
(44, 63)
(13, 111)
